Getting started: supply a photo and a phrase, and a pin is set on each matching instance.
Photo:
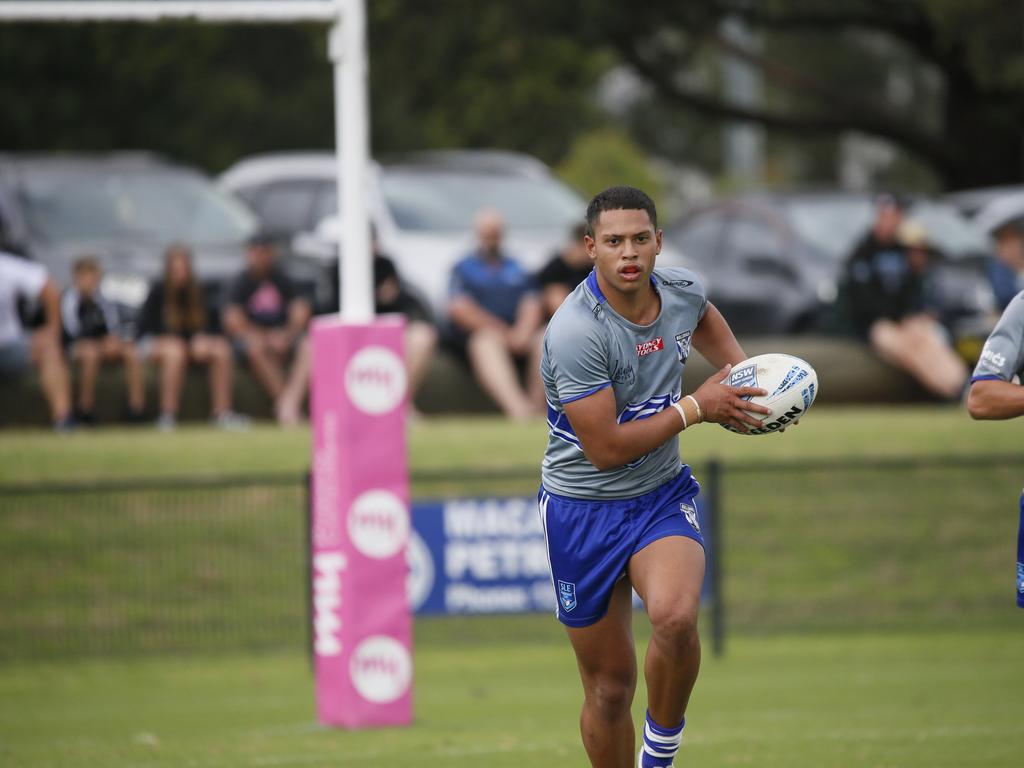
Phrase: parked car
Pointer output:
(124, 208)
(422, 204)
(773, 262)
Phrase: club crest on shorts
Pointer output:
(690, 512)
(566, 595)
(683, 345)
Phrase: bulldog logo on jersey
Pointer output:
(683, 345)
(567, 595)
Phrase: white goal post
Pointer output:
(348, 55)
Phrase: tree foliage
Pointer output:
(941, 79)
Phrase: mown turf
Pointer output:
(938, 700)
(454, 444)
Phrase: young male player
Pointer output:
(995, 394)
(618, 507)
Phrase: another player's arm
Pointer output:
(714, 339)
(995, 399)
(608, 444)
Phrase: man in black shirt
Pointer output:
(266, 317)
(568, 268)
(885, 283)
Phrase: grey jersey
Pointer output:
(1003, 355)
(589, 346)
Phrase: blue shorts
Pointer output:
(590, 541)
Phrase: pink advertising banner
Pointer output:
(362, 626)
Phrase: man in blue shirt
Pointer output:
(495, 313)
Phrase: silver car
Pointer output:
(423, 206)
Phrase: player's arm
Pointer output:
(608, 444)
(714, 339)
(995, 399)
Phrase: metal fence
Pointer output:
(200, 565)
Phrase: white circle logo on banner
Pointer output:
(420, 581)
(378, 524)
(381, 669)
(375, 380)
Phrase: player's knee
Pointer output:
(611, 696)
(674, 622)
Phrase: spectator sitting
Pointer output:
(93, 334)
(495, 316)
(886, 281)
(174, 330)
(567, 269)
(26, 280)
(1005, 270)
(266, 318)
(391, 296)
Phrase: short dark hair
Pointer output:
(621, 198)
(87, 263)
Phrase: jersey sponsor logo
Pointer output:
(566, 595)
(992, 357)
(622, 373)
(683, 341)
(690, 512)
(644, 348)
(676, 283)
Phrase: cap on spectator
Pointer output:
(261, 237)
(912, 235)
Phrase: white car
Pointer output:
(423, 206)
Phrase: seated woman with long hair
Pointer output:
(174, 330)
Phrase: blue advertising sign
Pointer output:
(487, 556)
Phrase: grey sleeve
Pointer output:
(1003, 355)
(577, 358)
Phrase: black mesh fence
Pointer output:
(184, 566)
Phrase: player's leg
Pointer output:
(668, 574)
(606, 659)
(494, 368)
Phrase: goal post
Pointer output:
(360, 511)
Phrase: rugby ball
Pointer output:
(792, 386)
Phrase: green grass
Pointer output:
(456, 443)
(870, 610)
(938, 700)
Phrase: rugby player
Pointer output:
(996, 392)
(619, 509)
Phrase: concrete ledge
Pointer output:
(847, 371)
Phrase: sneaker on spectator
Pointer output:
(230, 421)
(166, 422)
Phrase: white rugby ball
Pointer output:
(792, 385)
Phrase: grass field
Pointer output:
(870, 609)
(945, 700)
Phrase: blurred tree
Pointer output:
(605, 157)
(941, 79)
(461, 73)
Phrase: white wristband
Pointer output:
(682, 413)
(700, 415)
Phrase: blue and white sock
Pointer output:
(660, 744)
(1020, 556)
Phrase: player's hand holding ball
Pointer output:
(723, 404)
